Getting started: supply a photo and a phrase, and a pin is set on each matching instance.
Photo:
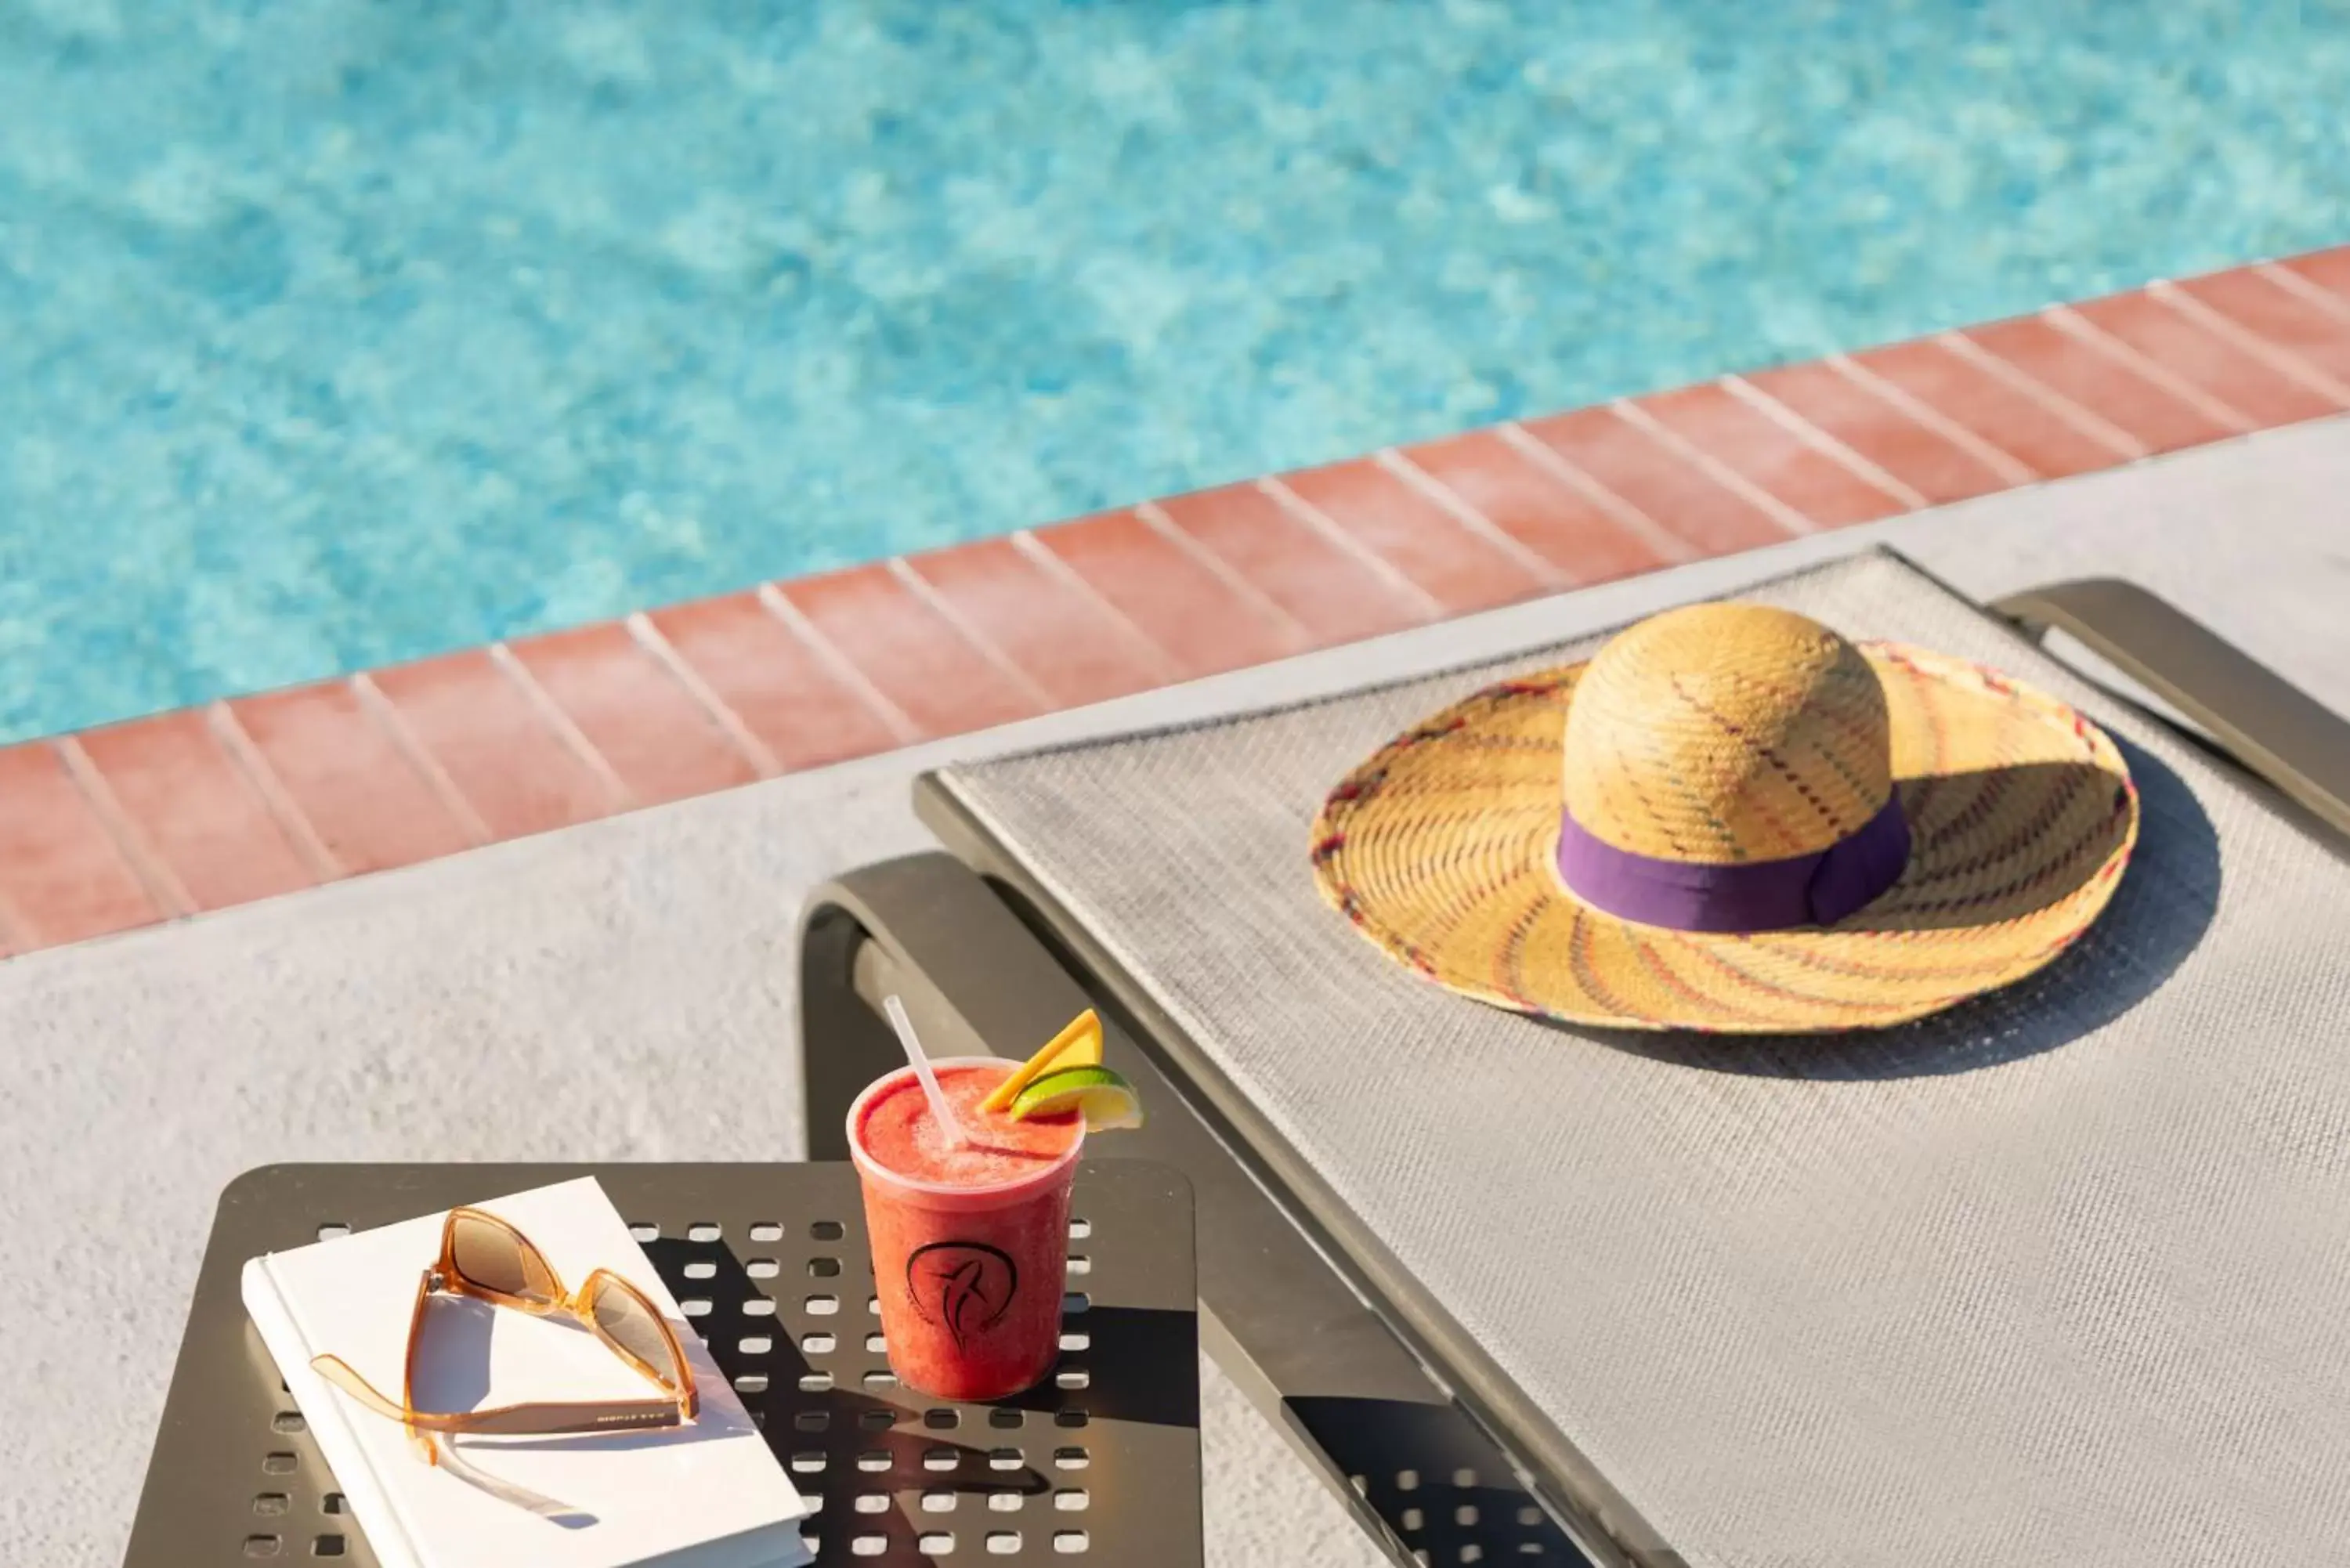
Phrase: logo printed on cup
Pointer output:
(963, 1287)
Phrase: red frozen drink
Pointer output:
(970, 1241)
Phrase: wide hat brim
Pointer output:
(1442, 847)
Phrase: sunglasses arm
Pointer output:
(549, 1419)
(508, 1420)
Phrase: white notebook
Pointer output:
(708, 1495)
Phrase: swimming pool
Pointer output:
(337, 333)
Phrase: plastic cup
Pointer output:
(970, 1246)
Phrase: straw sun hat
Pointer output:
(1753, 826)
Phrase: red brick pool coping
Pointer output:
(171, 816)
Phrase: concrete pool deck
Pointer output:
(198, 810)
(415, 1015)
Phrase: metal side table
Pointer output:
(1099, 1464)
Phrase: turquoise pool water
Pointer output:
(342, 331)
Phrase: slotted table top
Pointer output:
(1100, 1463)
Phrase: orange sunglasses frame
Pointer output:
(584, 1418)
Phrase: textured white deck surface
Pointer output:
(624, 990)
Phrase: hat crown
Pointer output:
(1724, 733)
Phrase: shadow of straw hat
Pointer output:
(1732, 819)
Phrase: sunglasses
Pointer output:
(484, 1257)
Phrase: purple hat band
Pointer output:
(1816, 889)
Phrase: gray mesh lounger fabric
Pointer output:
(2059, 1277)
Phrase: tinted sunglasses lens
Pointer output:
(624, 1315)
(495, 1259)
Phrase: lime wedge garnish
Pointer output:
(1079, 1045)
(1102, 1098)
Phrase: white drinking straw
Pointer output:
(914, 1053)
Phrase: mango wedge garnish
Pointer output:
(1077, 1045)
